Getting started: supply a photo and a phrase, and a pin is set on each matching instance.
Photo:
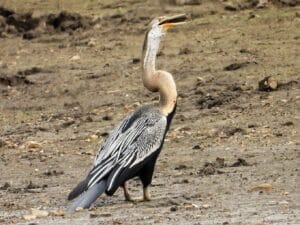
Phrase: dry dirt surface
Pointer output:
(70, 70)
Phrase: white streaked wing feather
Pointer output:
(146, 144)
(108, 148)
(141, 139)
(150, 141)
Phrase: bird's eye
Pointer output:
(160, 19)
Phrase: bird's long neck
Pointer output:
(157, 80)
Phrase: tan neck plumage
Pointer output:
(158, 80)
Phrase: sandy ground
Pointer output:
(232, 154)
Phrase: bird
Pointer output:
(132, 148)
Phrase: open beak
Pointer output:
(168, 22)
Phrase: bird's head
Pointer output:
(160, 25)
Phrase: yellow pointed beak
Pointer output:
(168, 22)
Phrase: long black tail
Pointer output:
(81, 187)
(87, 197)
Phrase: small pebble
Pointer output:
(205, 206)
(173, 208)
(75, 58)
(33, 144)
(94, 137)
(283, 203)
(92, 43)
(262, 187)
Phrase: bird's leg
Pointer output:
(126, 193)
(146, 194)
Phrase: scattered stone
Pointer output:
(200, 80)
(95, 215)
(244, 50)
(53, 172)
(262, 3)
(90, 152)
(160, 53)
(185, 181)
(57, 213)
(15, 190)
(66, 21)
(173, 208)
(2, 143)
(91, 42)
(291, 3)
(5, 186)
(136, 60)
(29, 217)
(208, 102)
(14, 80)
(229, 6)
(20, 21)
(262, 188)
(197, 147)
(216, 98)
(207, 170)
(190, 205)
(235, 66)
(234, 87)
(184, 2)
(108, 117)
(220, 162)
(39, 213)
(79, 209)
(211, 168)
(105, 214)
(3, 65)
(67, 123)
(94, 137)
(283, 203)
(250, 4)
(33, 144)
(252, 125)
(88, 119)
(6, 12)
(75, 58)
(104, 134)
(29, 35)
(185, 51)
(71, 105)
(251, 16)
(32, 186)
(230, 131)
(205, 206)
(240, 162)
(181, 167)
(293, 84)
(36, 213)
(13, 23)
(174, 202)
(31, 71)
(267, 84)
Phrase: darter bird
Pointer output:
(132, 148)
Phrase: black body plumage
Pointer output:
(131, 150)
